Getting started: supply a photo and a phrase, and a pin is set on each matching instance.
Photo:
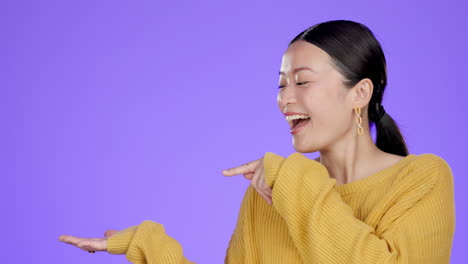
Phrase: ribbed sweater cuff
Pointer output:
(298, 175)
(271, 163)
(301, 166)
(118, 243)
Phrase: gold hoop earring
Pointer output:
(357, 110)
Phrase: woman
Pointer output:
(358, 202)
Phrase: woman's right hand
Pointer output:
(89, 244)
(253, 171)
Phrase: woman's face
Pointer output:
(309, 84)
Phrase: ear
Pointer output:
(362, 92)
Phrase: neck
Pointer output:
(347, 160)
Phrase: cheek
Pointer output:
(313, 100)
(278, 102)
(326, 109)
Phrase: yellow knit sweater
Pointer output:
(402, 214)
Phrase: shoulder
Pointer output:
(431, 161)
(428, 168)
(424, 177)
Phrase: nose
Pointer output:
(286, 97)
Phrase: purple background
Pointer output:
(116, 112)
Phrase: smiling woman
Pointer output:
(358, 202)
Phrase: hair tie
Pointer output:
(381, 113)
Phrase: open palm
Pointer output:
(89, 244)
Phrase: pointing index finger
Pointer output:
(246, 168)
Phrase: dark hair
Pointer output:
(357, 54)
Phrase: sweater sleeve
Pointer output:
(147, 243)
(418, 228)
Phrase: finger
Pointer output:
(246, 168)
(269, 198)
(95, 245)
(259, 191)
(256, 178)
(269, 201)
(256, 183)
(70, 239)
(264, 186)
(261, 185)
(264, 196)
(248, 176)
(110, 232)
(87, 246)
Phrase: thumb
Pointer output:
(110, 232)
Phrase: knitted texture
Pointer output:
(402, 214)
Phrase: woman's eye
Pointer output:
(299, 83)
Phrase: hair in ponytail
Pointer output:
(357, 54)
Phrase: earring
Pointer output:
(357, 110)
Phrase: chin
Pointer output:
(302, 148)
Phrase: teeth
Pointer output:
(294, 117)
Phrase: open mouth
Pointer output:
(299, 122)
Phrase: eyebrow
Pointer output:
(299, 69)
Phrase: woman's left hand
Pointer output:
(254, 172)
